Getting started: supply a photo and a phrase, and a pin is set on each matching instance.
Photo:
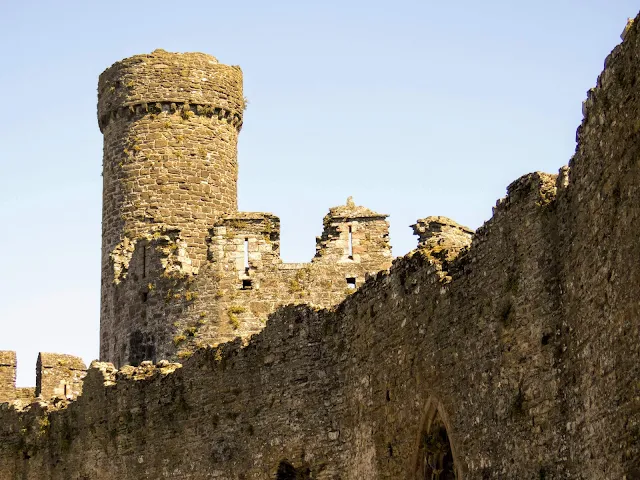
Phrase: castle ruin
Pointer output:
(508, 352)
(181, 267)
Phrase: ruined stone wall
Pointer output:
(472, 346)
(173, 261)
(346, 393)
(198, 420)
(57, 376)
(516, 358)
(601, 221)
(469, 342)
(164, 312)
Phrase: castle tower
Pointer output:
(170, 124)
(181, 267)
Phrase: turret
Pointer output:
(354, 234)
(247, 243)
(170, 123)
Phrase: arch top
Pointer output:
(436, 457)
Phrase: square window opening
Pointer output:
(351, 282)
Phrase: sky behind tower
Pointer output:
(415, 108)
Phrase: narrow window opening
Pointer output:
(351, 282)
(246, 284)
(65, 390)
(144, 261)
(350, 243)
(246, 254)
(145, 297)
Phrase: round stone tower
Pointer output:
(170, 123)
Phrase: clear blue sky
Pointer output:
(415, 108)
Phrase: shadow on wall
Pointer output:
(435, 458)
(286, 471)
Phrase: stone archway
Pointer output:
(286, 471)
(435, 455)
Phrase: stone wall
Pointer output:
(351, 393)
(601, 221)
(517, 357)
(8, 364)
(182, 268)
(59, 375)
(163, 310)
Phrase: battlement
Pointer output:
(353, 233)
(186, 109)
(166, 308)
(195, 81)
(57, 376)
(246, 241)
(8, 365)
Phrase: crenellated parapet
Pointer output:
(164, 307)
(185, 110)
(57, 376)
(8, 365)
(245, 242)
(196, 79)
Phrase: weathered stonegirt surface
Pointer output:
(181, 267)
(515, 357)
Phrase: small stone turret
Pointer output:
(246, 242)
(354, 234)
